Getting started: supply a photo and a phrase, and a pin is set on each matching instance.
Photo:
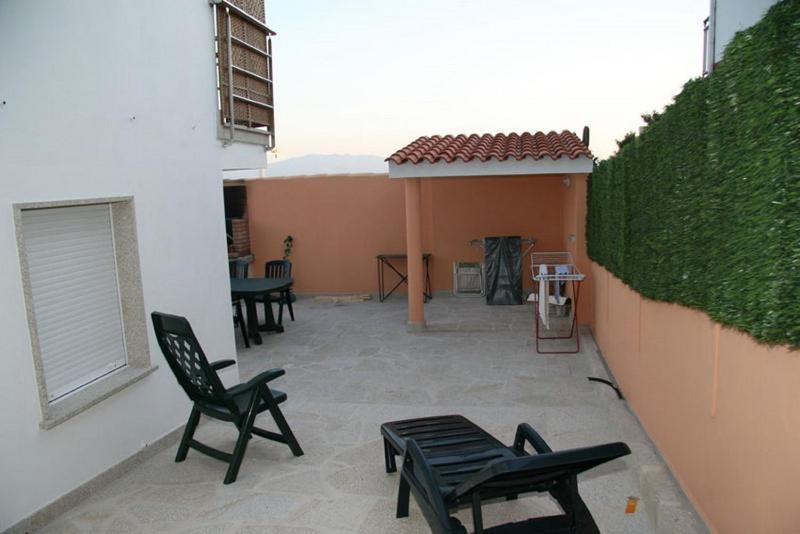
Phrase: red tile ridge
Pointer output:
(499, 146)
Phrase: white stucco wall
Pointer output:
(73, 74)
(731, 16)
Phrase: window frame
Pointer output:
(134, 325)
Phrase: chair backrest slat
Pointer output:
(188, 361)
(278, 269)
(239, 268)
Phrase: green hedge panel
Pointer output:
(703, 207)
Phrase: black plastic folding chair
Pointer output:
(239, 404)
(239, 269)
(449, 462)
(279, 269)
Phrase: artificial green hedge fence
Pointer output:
(703, 207)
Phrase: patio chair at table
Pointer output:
(239, 269)
(239, 404)
(279, 269)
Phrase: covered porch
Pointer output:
(560, 159)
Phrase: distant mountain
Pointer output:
(326, 164)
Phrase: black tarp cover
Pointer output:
(503, 270)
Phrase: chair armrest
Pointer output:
(416, 466)
(542, 467)
(260, 379)
(525, 432)
(222, 364)
(416, 460)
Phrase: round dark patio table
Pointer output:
(250, 288)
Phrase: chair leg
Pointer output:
(283, 426)
(402, 497)
(477, 514)
(240, 428)
(565, 492)
(388, 456)
(242, 323)
(289, 304)
(188, 434)
(241, 442)
(280, 311)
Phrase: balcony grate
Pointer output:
(244, 68)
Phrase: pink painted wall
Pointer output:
(341, 222)
(574, 241)
(462, 209)
(727, 420)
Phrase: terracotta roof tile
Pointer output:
(500, 146)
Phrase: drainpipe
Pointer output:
(712, 42)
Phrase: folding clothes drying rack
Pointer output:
(559, 267)
(481, 243)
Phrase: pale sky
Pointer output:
(368, 77)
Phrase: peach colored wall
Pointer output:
(469, 208)
(341, 222)
(574, 241)
(740, 464)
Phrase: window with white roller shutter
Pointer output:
(72, 271)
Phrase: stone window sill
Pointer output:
(76, 403)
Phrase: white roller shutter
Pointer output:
(73, 280)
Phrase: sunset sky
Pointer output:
(359, 77)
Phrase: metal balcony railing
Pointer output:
(244, 72)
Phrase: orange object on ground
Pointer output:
(630, 508)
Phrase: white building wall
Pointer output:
(730, 16)
(106, 99)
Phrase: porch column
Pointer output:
(416, 309)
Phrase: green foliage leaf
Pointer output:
(703, 207)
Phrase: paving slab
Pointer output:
(352, 366)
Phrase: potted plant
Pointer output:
(288, 242)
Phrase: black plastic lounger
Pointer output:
(449, 462)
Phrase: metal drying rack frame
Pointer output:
(574, 277)
(530, 241)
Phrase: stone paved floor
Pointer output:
(351, 367)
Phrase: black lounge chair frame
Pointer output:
(450, 463)
(239, 404)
